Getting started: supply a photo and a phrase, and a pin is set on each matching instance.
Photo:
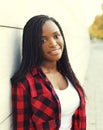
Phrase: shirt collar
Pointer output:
(38, 71)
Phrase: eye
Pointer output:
(56, 36)
(43, 40)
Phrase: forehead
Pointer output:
(49, 27)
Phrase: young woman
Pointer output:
(46, 94)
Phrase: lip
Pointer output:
(55, 51)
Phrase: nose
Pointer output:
(52, 42)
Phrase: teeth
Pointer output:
(55, 51)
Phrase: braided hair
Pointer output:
(31, 50)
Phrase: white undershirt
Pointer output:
(70, 101)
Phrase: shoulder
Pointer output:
(21, 84)
(24, 80)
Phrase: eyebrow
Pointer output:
(56, 32)
(53, 33)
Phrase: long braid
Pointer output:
(31, 46)
(64, 63)
(32, 52)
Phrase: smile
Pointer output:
(55, 52)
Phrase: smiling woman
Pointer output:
(45, 68)
(52, 42)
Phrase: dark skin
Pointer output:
(52, 47)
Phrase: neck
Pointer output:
(49, 67)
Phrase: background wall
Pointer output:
(13, 16)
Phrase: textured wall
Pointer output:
(13, 15)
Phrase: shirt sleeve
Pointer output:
(20, 107)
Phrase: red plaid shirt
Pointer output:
(35, 105)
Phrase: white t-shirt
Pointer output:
(69, 100)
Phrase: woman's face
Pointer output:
(52, 42)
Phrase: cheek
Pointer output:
(43, 49)
(61, 41)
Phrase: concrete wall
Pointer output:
(13, 16)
